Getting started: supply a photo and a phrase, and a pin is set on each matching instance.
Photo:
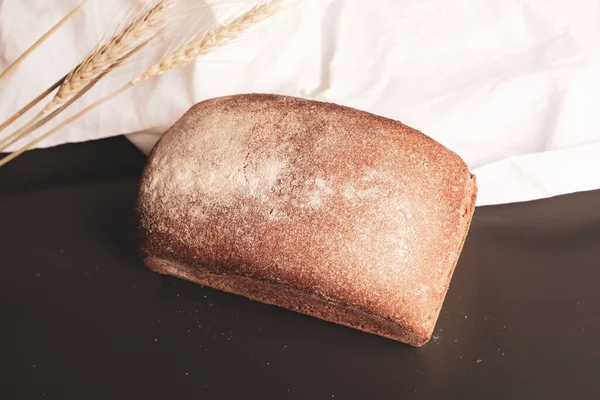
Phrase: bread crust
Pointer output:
(315, 207)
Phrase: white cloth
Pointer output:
(512, 86)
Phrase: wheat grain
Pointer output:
(206, 42)
(145, 22)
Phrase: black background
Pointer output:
(81, 318)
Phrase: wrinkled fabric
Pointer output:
(513, 86)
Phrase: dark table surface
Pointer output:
(81, 318)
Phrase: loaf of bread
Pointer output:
(315, 207)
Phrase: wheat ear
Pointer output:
(41, 40)
(145, 21)
(178, 58)
(206, 42)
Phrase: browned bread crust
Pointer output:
(322, 209)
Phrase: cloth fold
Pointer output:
(511, 86)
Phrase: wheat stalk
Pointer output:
(34, 46)
(144, 22)
(23, 56)
(74, 98)
(29, 106)
(180, 57)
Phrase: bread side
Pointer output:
(315, 207)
